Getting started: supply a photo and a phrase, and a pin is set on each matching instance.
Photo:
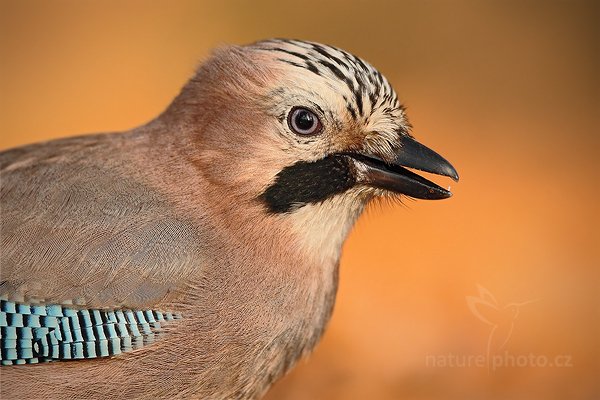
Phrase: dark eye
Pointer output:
(304, 122)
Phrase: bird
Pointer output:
(197, 256)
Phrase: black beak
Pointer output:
(396, 178)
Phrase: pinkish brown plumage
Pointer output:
(229, 209)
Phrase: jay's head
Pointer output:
(292, 124)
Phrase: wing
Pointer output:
(89, 254)
(33, 333)
(78, 227)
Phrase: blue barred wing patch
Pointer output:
(35, 333)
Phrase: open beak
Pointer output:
(397, 178)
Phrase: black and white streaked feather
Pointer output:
(366, 88)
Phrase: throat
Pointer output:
(322, 228)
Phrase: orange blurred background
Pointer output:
(508, 91)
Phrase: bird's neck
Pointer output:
(321, 229)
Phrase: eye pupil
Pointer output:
(303, 121)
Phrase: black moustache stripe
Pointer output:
(308, 183)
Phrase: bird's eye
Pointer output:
(304, 122)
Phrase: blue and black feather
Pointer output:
(35, 333)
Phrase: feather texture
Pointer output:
(30, 334)
(78, 226)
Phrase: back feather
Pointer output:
(80, 225)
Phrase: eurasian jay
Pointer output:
(197, 255)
